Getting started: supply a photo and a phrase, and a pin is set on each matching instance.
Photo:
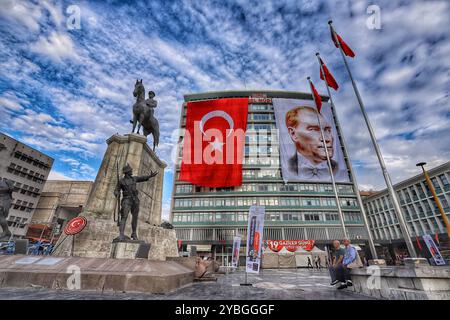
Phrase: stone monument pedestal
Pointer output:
(95, 241)
(129, 249)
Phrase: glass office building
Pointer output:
(418, 208)
(209, 218)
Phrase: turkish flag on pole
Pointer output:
(315, 95)
(331, 82)
(213, 148)
(345, 48)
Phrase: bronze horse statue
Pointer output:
(143, 113)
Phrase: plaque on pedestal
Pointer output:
(129, 249)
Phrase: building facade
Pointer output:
(418, 207)
(60, 201)
(28, 169)
(209, 218)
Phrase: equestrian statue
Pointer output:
(143, 113)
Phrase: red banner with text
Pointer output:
(290, 245)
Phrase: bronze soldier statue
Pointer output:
(6, 190)
(130, 200)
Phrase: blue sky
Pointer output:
(65, 91)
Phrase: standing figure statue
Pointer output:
(143, 113)
(130, 200)
(6, 190)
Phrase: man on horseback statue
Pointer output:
(143, 113)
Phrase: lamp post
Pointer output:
(435, 197)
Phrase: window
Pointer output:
(444, 180)
(294, 216)
(332, 217)
(288, 187)
(273, 216)
(242, 216)
(312, 217)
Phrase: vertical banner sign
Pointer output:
(254, 238)
(435, 253)
(236, 248)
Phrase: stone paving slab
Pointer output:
(300, 284)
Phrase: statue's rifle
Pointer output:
(117, 209)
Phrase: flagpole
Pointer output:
(387, 178)
(341, 215)
(352, 175)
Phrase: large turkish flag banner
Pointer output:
(213, 147)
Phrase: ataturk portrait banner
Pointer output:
(302, 152)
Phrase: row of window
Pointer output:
(17, 222)
(412, 211)
(258, 137)
(26, 189)
(23, 205)
(209, 217)
(260, 107)
(421, 190)
(267, 187)
(417, 228)
(268, 201)
(261, 116)
(24, 172)
(28, 159)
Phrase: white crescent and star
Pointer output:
(217, 145)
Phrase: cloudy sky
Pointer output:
(64, 89)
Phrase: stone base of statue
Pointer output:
(95, 274)
(129, 249)
(96, 240)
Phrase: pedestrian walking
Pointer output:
(310, 264)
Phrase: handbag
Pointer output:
(357, 263)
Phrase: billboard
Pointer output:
(302, 153)
(254, 238)
(434, 250)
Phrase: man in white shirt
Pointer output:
(310, 160)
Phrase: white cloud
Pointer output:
(23, 13)
(55, 175)
(11, 102)
(57, 46)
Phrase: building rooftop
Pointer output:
(247, 93)
(412, 179)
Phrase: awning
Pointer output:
(317, 250)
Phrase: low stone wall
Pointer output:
(403, 283)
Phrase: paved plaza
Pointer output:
(298, 284)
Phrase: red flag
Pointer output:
(418, 243)
(436, 237)
(348, 52)
(331, 82)
(213, 147)
(316, 96)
